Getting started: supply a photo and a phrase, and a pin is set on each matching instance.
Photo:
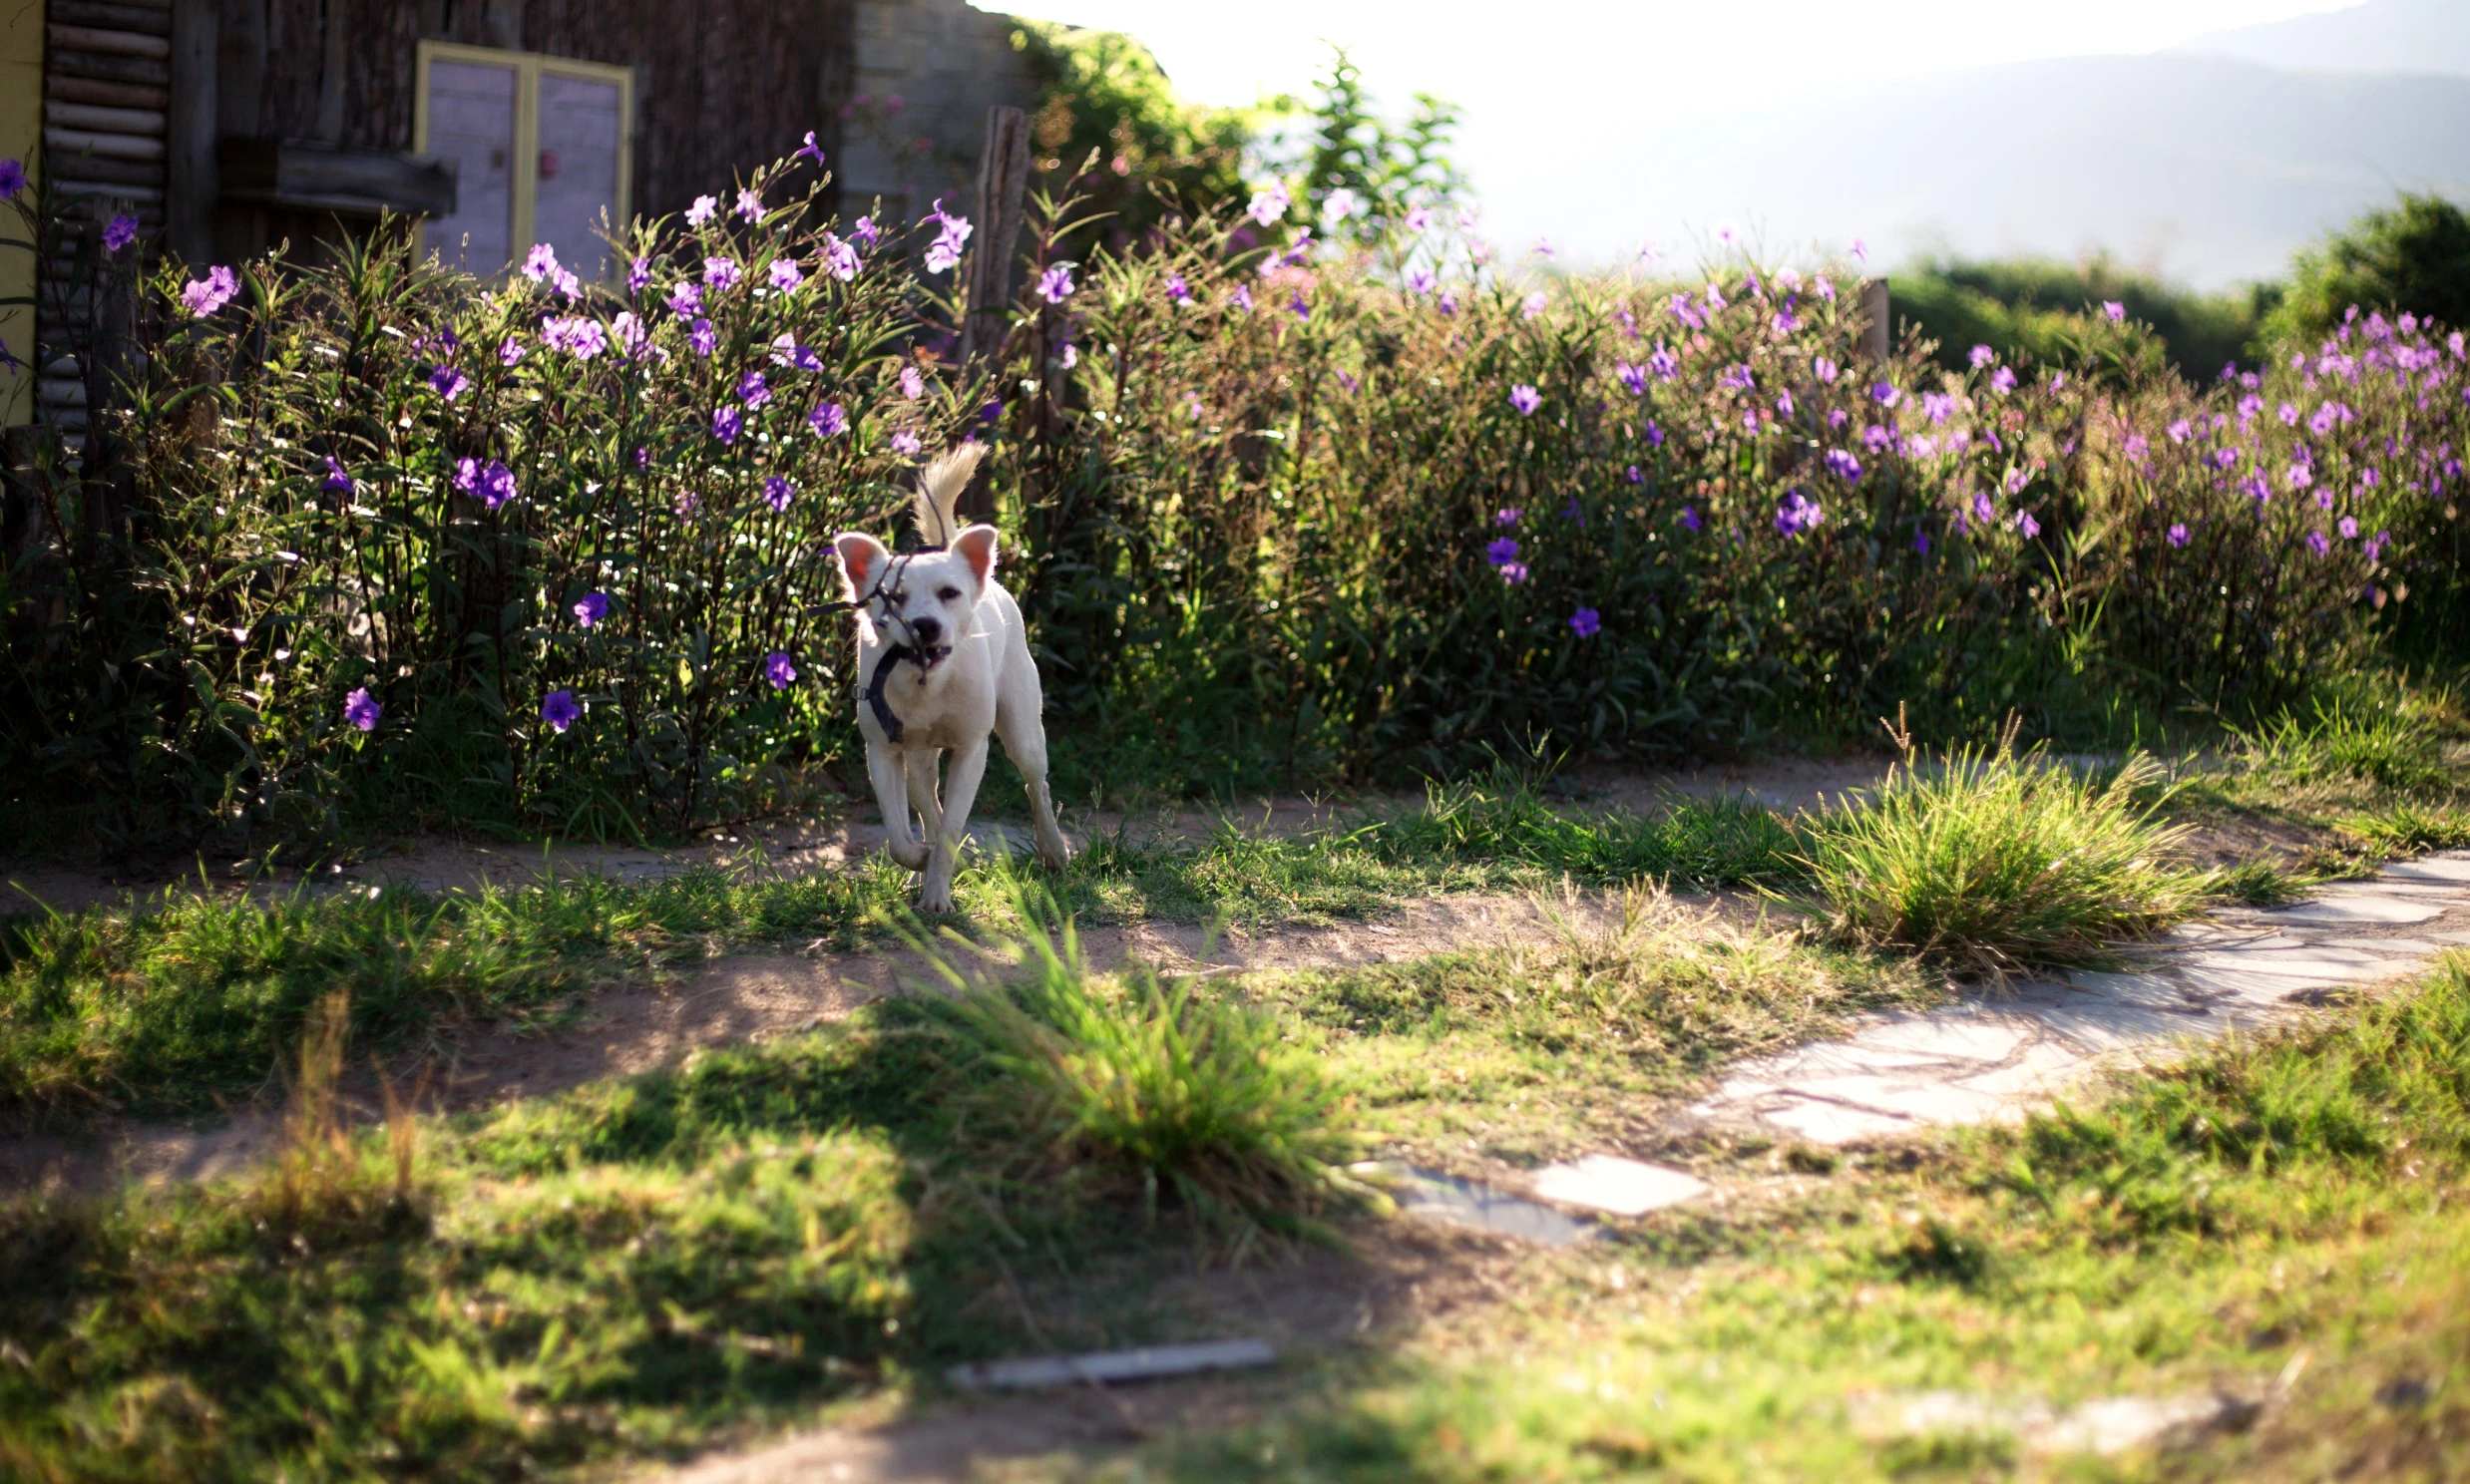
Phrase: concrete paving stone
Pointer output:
(1624, 1187)
(2431, 890)
(1833, 1123)
(2158, 992)
(1917, 1101)
(2450, 937)
(1151, 1362)
(2259, 989)
(2304, 963)
(1468, 1203)
(2451, 867)
(2362, 910)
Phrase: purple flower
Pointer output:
(913, 385)
(1535, 305)
(558, 709)
(810, 149)
(1502, 552)
(1268, 204)
(950, 236)
(1570, 511)
(753, 391)
(702, 211)
(1824, 369)
(1055, 284)
(1298, 307)
(120, 232)
(1178, 291)
(778, 671)
(2002, 379)
(906, 441)
(1921, 542)
(2348, 528)
(495, 483)
(1585, 623)
(1507, 514)
(1842, 464)
(578, 335)
(1689, 518)
(1241, 297)
(203, 296)
(704, 338)
(628, 330)
(1525, 399)
(1655, 435)
(591, 608)
(542, 264)
(1836, 417)
(726, 424)
(2318, 543)
(1421, 281)
(777, 492)
(1633, 377)
(12, 179)
(721, 273)
(1798, 512)
(336, 480)
(1887, 394)
(749, 204)
(828, 420)
(1663, 362)
(865, 234)
(447, 382)
(1633, 476)
(685, 298)
(639, 274)
(1878, 439)
(1513, 572)
(2026, 526)
(784, 274)
(1982, 510)
(2114, 310)
(1937, 407)
(1983, 355)
(2178, 535)
(361, 709)
(2227, 458)
(510, 350)
(1784, 405)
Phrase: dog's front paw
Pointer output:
(911, 853)
(935, 899)
(1055, 858)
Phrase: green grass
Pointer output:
(192, 1001)
(1993, 864)
(630, 1268)
(2280, 1205)
(1561, 1039)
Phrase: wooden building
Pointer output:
(229, 125)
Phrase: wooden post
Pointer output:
(1876, 321)
(189, 133)
(1002, 181)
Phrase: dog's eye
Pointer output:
(948, 593)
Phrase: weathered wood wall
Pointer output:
(720, 85)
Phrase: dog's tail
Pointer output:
(937, 506)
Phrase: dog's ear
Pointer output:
(975, 546)
(862, 561)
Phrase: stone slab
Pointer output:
(1623, 1187)
(2342, 911)
(2452, 867)
(1468, 1203)
(1106, 1367)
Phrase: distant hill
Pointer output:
(2205, 168)
(2380, 36)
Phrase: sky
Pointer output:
(1581, 79)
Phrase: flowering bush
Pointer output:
(389, 538)
(516, 551)
(1374, 518)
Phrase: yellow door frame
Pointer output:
(529, 67)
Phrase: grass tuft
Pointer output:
(1992, 864)
(2391, 746)
(1187, 1092)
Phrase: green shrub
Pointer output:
(1993, 863)
(2412, 257)
(2382, 744)
(2051, 312)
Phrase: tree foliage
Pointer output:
(2411, 258)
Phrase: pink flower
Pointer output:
(203, 296)
(1525, 399)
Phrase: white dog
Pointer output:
(943, 659)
